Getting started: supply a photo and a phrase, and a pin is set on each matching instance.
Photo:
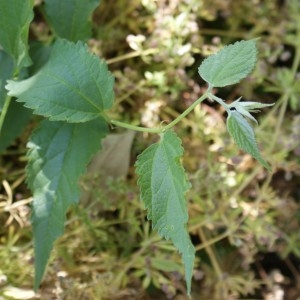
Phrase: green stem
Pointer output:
(296, 61)
(163, 128)
(219, 100)
(279, 122)
(211, 254)
(136, 128)
(131, 55)
(284, 103)
(186, 112)
(4, 111)
(149, 242)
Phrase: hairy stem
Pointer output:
(219, 100)
(162, 128)
(186, 112)
(136, 128)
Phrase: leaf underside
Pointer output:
(229, 65)
(15, 18)
(70, 19)
(243, 135)
(73, 86)
(58, 155)
(163, 185)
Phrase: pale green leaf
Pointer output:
(253, 106)
(163, 185)
(58, 155)
(74, 85)
(230, 65)
(244, 108)
(236, 105)
(245, 113)
(243, 135)
(15, 18)
(70, 19)
(165, 265)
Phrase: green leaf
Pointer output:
(243, 112)
(73, 86)
(163, 185)
(243, 135)
(70, 18)
(15, 18)
(58, 155)
(6, 72)
(40, 54)
(10, 128)
(16, 118)
(230, 65)
(165, 265)
(244, 108)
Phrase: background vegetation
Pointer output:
(244, 221)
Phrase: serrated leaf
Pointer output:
(15, 18)
(230, 65)
(163, 185)
(70, 19)
(58, 155)
(243, 135)
(73, 86)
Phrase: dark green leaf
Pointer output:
(40, 54)
(15, 18)
(70, 18)
(58, 155)
(230, 65)
(17, 117)
(163, 185)
(6, 72)
(74, 85)
(243, 135)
